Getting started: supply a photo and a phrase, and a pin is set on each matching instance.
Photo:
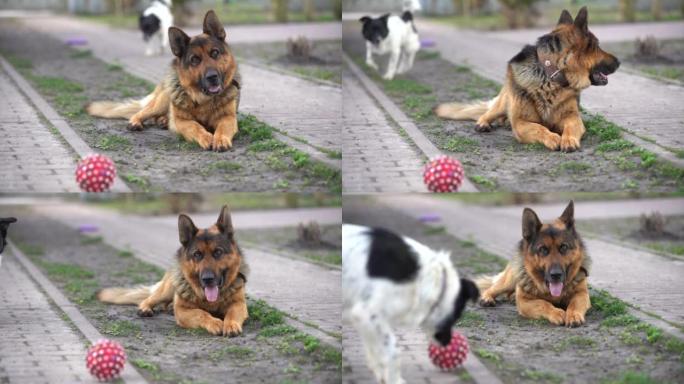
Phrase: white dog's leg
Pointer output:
(369, 57)
(392, 65)
(165, 40)
(149, 49)
(389, 355)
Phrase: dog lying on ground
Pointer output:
(389, 281)
(199, 99)
(393, 35)
(206, 287)
(549, 274)
(540, 97)
(4, 225)
(154, 23)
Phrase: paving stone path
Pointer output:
(37, 346)
(376, 158)
(303, 109)
(32, 159)
(282, 282)
(625, 272)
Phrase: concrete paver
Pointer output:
(32, 159)
(626, 273)
(621, 101)
(303, 109)
(282, 282)
(376, 158)
(37, 346)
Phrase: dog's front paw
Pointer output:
(552, 141)
(569, 143)
(487, 300)
(372, 65)
(556, 316)
(231, 328)
(388, 76)
(204, 140)
(574, 319)
(134, 126)
(483, 127)
(221, 143)
(214, 326)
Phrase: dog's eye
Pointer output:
(214, 53)
(198, 255)
(195, 60)
(218, 252)
(543, 250)
(563, 248)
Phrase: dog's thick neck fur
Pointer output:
(528, 285)
(193, 292)
(440, 285)
(181, 98)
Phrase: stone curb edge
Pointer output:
(421, 141)
(70, 136)
(130, 374)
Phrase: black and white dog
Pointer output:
(4, 224)
(393, 35)
(390, 281)
(154, 23)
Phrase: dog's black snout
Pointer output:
(208, 277)
(556, 272)
(212, 76)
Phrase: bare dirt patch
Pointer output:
(610, 346)
(268, 351)
(323, 63)
(494, 160)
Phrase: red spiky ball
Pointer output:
(443, 174)
(95, 173)
(105, 360)
(451, 356)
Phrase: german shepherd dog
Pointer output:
(206, 288)
(199, 98)
(548, 275)
(540, 97)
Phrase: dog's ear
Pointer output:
(213, 27)
(178, 41)
(581, 19)
(565, 17)
(5, 222)
(530, 224)
(568, 216)
(224, 222)
(469, 290)
(365, 19)
(186, 230)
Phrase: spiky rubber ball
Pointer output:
(452, 355)
(443, 174)
(95, 173)
(105, 360)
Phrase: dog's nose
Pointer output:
(208, 277)
(212, 76)
(556, 272)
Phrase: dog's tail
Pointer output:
(117, 109)
(484, 282)
(464, 111)
(120, 295)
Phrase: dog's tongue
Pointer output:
(214, 88)
(556, 289)
(211, 293)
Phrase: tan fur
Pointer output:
(179, 102)
(520, 279)
(541, 109)
(181, 287)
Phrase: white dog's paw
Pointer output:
(372, 65)
(388, 76)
